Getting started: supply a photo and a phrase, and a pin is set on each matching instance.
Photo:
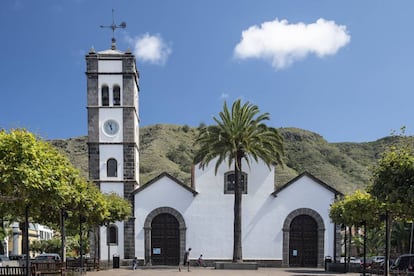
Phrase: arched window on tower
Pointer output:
(117, 95)
(112, 234)
(111, 168)
(105, 95)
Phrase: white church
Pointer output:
(287, 227)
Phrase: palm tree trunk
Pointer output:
(237, 229)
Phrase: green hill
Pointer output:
(170, 148)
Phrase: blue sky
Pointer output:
(343, 69)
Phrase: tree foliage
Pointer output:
(393, 180)
(49, 246)
(118, 208)
(240, 134)
(356, 209)
(34, 174)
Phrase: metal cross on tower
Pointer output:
(113, 26)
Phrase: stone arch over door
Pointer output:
(147, 231)
(320, 228)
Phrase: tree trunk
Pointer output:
(387, 241)
(63, 215)
(237, 228)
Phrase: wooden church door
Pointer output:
(165, 241)
(303, 242)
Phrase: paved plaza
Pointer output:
(212, 271)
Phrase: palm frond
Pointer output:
(239, 131)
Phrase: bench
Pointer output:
(45, 268)
(15, 270)
(88, 264)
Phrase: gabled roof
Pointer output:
(165, 174)
(317, 180)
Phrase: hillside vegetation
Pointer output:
(170, 148)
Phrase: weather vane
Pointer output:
(113, 26)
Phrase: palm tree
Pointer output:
(240, 134)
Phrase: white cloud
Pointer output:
(282, 43)
(151, 49)
(224, 96)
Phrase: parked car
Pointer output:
(47, 257)
(352, 260)
(16, 257)
(379, 266)
(4, 259)
(404, 262)
(373, 260)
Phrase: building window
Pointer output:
(229, 181)
(112, 168)
(105, 95)
(117, 95)
(112, 234)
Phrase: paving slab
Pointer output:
(205, 271)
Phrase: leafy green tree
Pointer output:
(119, 209)
(356, 209)
(375, 241)
(393, 185)
(33, 174)
(35, 177)
(400, 236)
(48, 246)
(393, 180)
(240, 134)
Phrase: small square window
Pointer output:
(229, 181)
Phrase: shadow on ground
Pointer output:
(309, 272)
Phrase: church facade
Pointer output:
(289, 226)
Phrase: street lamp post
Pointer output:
(365, 249)
(26, 234)
(63, 216)
(80, 243)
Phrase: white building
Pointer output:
(286, 227)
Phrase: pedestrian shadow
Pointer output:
(310, 272)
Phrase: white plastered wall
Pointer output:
(213, 210)
(118, 250)
(161, 194)
(306, 193)
(111, 151)
(209, 215)
(110, 66)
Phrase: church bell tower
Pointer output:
(113, 139)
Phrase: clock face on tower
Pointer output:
(111, 127)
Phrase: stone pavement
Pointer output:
(211, 271)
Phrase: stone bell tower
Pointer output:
(113, 139)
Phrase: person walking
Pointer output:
(200, 261)
(186, 260)
(134, 263)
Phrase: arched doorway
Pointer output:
(165, 240)
(320, 236)
(169, 214)
(303, 242)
